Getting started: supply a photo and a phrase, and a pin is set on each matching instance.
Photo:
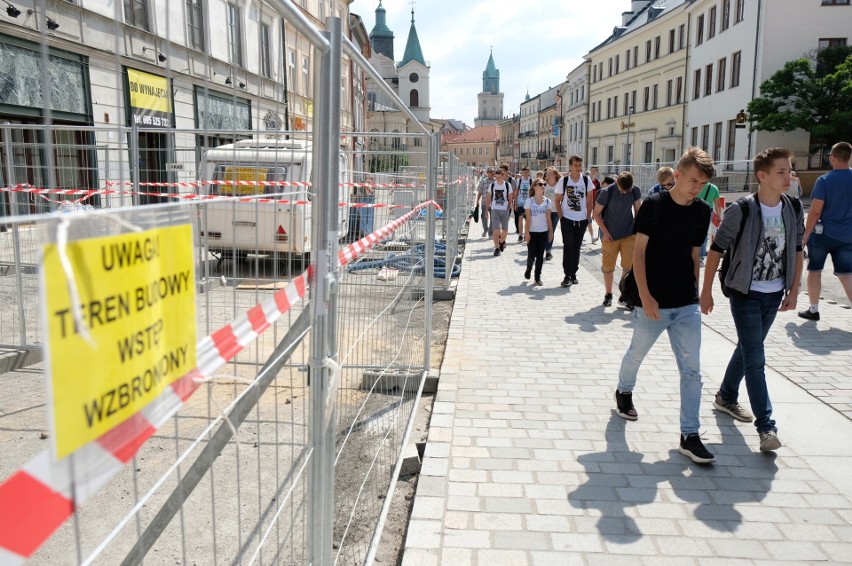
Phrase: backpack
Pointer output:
(726, 259)
(627, 286)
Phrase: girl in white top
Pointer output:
(539, 229)
(551, 179)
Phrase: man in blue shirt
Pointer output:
(829, 227)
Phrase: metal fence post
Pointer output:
(134, 163)
(16, 235)
(429, 283)
(451, 222)
(325, 264)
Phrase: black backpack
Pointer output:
(742, 202)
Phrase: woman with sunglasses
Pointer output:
(551, 179)
(539, 229)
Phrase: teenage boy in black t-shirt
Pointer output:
(670, 229)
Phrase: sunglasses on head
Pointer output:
(539, 184)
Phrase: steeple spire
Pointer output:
(491, 76)
(413, 52)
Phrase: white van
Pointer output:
(236, 229)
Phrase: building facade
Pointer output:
(528, 131)
(225, 67)
(548, 127)
(476, 148)
(574, 114)
(637, 105)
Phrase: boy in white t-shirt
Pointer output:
(574, 207)
(499, 202)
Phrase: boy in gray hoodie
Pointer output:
(763, 278)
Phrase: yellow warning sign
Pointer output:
(136, 294)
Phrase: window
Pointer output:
(679, 90)
(291, 70)
(633, 100)
(831, 42)
(669, 85)
(708, 80)
(608, 108)
(655, 96)
(594, 155)
(736, 61)
(306, 75)
(705, 137)
(235, 36)
(615, 106)
(594, 73)
(265, 60)
(600, 70)
(626, 103)
(726, 15)
(696, 86)
(711, 25)
(694, 138)
(195, 24)
(414, 99)
(720, 77)
(699, 31)
(648, 152)
(616, 64)
(647, 50)
(635, 55)
(136, 13)
(321, 10)
(671, 41)
(732, 137)
(740, 13)
(681, 36)
(599, 109)
(627, 60)
(657, 47)
(609, 65)
(610, 153)
(647, 103)
(717, 141)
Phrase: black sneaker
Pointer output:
(808, 314)
(496, 252)
(502, 246)
(624, 406)
(520, 238)
(548, 256)
(607, 302)
(538, 283)
(566, 282)
(693, 448)
(573, 280)
(527, 273)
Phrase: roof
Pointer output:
(491, 71)
(548, 97)
(478, 134)
(381, 28)
(412, 46)
(644, 16)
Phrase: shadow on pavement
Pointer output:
(549, 289)
(739, 476)
(591, 320)
(807, 336)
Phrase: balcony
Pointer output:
(542, 155)
(558, 149)
(525, 155)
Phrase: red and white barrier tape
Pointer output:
(37, 499)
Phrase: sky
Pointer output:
(536, 44)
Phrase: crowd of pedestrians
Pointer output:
(662, 241)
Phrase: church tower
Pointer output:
(414, 76)
(490, 100)
(381, 38)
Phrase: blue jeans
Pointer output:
(753, 316)
(683, 325)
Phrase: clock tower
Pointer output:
(414, 76)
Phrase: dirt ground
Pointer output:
(396, 525)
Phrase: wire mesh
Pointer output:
(150, 130)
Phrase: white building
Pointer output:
(574, 113)
(738, 44)
(528, 133)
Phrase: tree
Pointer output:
(813, 93)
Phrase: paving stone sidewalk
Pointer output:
(527, 463)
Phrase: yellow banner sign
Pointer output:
(136, 293)
(150, 99)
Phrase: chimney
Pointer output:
(639, 5)
(626, 17)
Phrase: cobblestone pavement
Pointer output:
(527, 463)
